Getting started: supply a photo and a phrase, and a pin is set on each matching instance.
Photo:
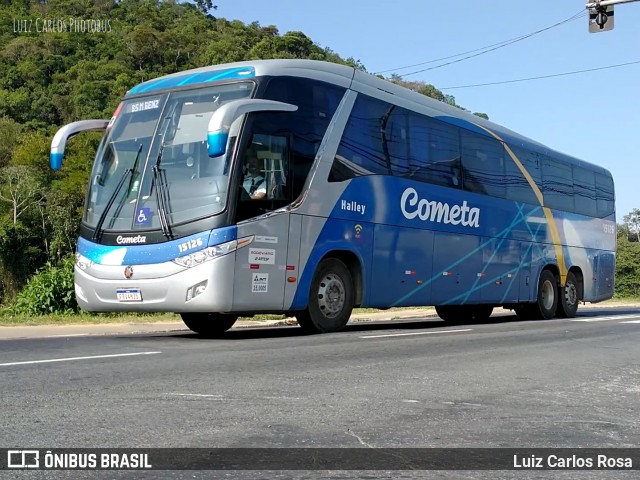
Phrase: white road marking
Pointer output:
(68, 335)
(416, 333)
(70, 359)
(195, 395)
(604, 319)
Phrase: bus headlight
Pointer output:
(209, 253)
(83, 262)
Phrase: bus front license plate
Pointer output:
(129, 295)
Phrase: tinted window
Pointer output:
(604, 195)
(557, 182)
(317, 103)
(389, 140)
(518, 187)
(362, 150)
(395, 139)
(434, 152)
(584, 187)
(483, 169)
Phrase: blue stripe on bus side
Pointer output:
(155, 253)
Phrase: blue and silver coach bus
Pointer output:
(369, 195)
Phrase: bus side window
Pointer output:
(433, 152)
(305, 128)
(518, 187)
(584, 186)
(483, 164)
(605, 195)
(270, 165)
(362, 150)
(557, 183)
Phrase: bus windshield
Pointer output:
(152, 169)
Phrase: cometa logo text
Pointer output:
(120, 240)
(431, 211)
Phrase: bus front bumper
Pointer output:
(157, 288)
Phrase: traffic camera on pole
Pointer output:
(601, 14)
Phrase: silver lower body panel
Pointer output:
(163, 294)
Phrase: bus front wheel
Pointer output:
(208, 324)
(331, 299)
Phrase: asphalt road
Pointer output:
(559, 383)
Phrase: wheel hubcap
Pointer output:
(570, 294)
(331, 295)
(548, 295)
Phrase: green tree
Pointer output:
(623, 231)
(632, 224)
(20, 256)
(20, 187)
(62, 212)
(9, 138)
(627, 268)
(206, 5)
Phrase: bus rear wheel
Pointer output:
(546, 302)
(331, 299)
(569, 298)
(208, 324)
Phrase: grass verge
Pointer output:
(84, 318)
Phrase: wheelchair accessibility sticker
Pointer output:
(143, 217)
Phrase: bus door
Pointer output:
(260, 273)
(261, 267)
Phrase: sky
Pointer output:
(593, 116)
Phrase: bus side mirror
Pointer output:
(59, 141)
(223, 117)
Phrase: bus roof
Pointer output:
(360, 81)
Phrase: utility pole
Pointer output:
(601, 14)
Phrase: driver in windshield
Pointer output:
(254, 181)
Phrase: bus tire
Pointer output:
(464, 313)
(480, 313)
(525, 312)
(209, 324)
(451, 313)
(544, 308)
(568, 304)
(331, 299)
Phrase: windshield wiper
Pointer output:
(159, 181)
(134, 171)
(97, 234)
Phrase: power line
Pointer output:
(483, 50)
(575, 72)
